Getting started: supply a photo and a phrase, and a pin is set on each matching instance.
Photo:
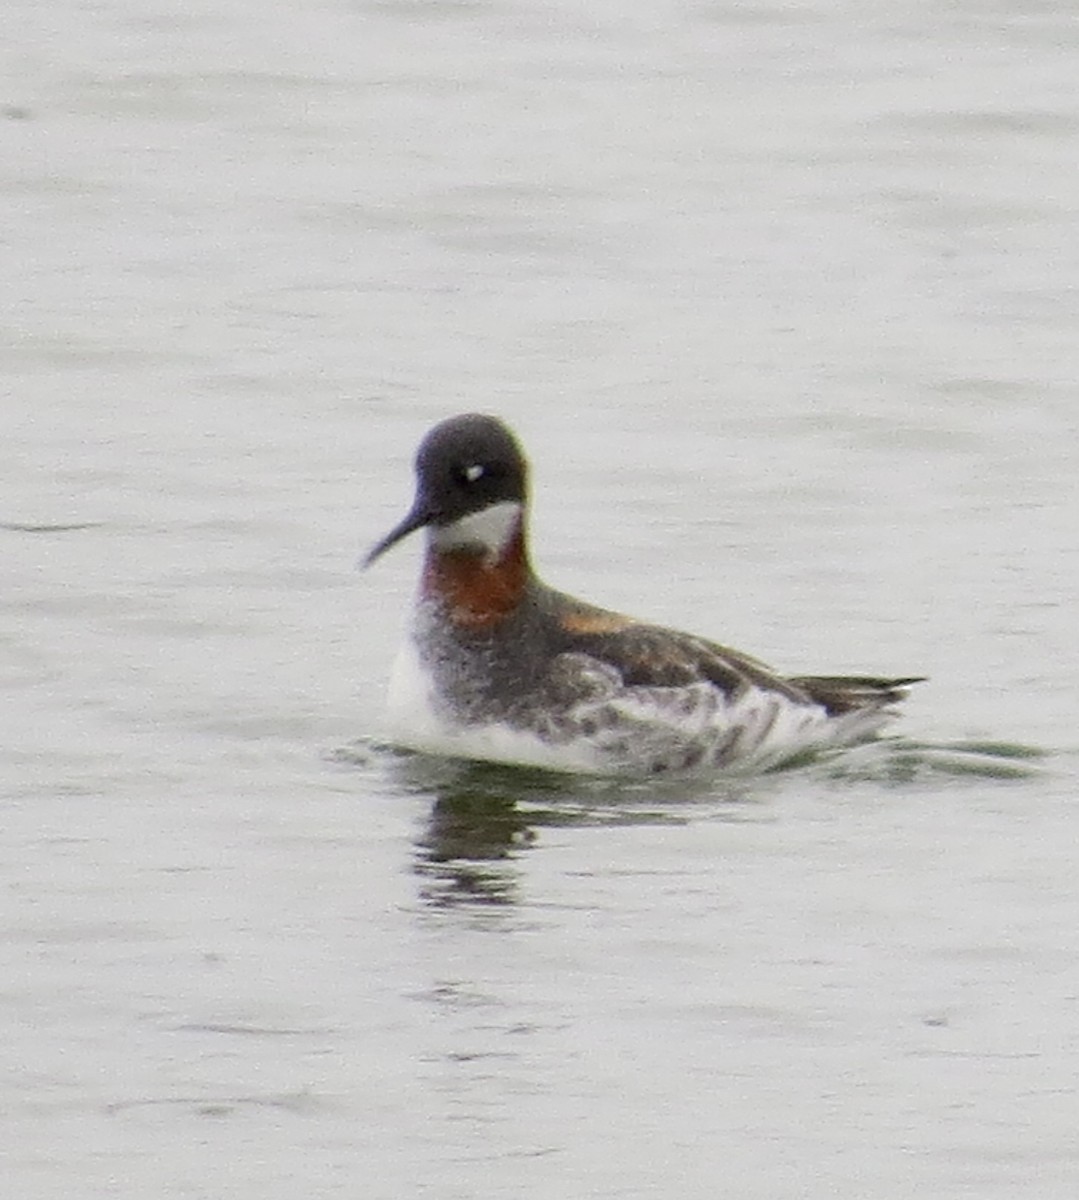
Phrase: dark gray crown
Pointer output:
(464, 465)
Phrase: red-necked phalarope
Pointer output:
(499, 666)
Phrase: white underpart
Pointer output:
(771, 728)
(766, 727)
(489, 530)
(414, 721)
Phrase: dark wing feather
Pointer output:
(652, 656)
(845, 693)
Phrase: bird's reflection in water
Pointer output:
(467, 852)
(482, 817)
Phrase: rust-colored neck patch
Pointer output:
(478, 592)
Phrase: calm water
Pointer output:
(782, 300)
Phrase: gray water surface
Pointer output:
(782, 300)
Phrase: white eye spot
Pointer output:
(474, 472)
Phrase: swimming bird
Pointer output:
(499, 666)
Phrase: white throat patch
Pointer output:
(488, 530)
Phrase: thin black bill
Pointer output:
(416, 519)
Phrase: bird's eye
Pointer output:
(471, 473)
